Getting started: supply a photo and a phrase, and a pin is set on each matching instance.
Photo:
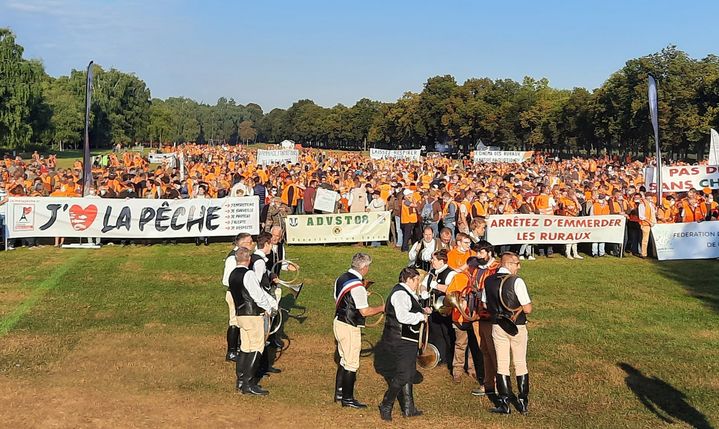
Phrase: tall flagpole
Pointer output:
(654, 114)
(86, 164)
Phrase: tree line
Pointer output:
(37, 110)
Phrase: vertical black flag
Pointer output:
(86, 164)
(654, 115)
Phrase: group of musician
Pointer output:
(251, 275)
(480, 299)
(466, 298)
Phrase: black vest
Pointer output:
(346, 309)
(265, 282)
(244, 304)
(394, 331)
(494, 306)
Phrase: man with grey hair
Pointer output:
(251, 304)
(351, 308)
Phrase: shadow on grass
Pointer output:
(663, 399)
(697, 277)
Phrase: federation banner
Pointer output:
(686, 240)
(406, 154)
(502, 156)
(338, 228)
(682, 178)
(131, 218)
(548, 229)
(281, 156)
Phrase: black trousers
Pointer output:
(441, 335)
(396, 361)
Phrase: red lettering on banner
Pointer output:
(547, 222)
(542, 235)
(525, 236)
(711, 169)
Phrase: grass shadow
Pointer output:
(662, 399)
(699, 278)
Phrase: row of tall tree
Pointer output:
(36, 109)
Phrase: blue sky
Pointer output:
(274, 53)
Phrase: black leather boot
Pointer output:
(251, 364)
(523, 396)
(240, 368)
(348, 390)
(504, 391)
(233, 335)
(338, 383)
(385, 407)
(406, 401)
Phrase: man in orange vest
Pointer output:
(290, 194)
(599, 208)
(408, 219)
(462, 327)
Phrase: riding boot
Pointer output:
(504, 391)
(348, 390)
(338, 383)
(250, 366)
(385, 407)
(233, 335)
(523, 396)
(240, 368)
(406, 401)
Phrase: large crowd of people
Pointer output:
(435, 192)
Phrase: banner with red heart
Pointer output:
(80, 218)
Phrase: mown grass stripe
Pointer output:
(9, 322)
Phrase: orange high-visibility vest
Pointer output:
(408, 215)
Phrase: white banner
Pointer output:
(714, 147)
(406, 154)
(682, 178)
(325, 200)
(501, 156)
(131, 218)
(338, 228)
(695, 240)
(548, 229)
(159, 158)
(281, 156)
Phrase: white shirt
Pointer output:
(520, 289)
(433, 284)
(402, 304)
(260, 266)
(230, 265)
(426, 252)
(261, 298)
(359, 294)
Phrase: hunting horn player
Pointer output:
(351, 308)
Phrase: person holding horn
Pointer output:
(251, 302)
(351, 308)
(396, 353)
(505, 296)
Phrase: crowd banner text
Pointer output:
(695, 240)
(338, 228)
(131, 218)
(281, 156)
(406, 154)
(548, 229)
(682, 178)
(501, 156)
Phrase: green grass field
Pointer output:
(134, 337)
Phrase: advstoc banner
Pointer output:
(131, 218)
(547, 229)
(695, 240)
(338, 228)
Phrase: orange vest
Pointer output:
(693, 214)
(408, 215)
(286, 195)
(600, 209)
(648, 214)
